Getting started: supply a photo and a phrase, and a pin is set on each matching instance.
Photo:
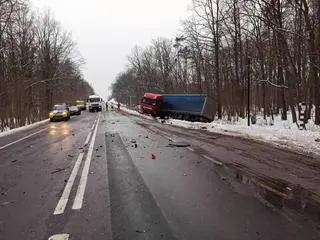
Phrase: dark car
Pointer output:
(74, 110)
(59, 112)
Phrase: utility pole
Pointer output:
(248, 91)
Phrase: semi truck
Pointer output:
(190, 107)
(94, 103)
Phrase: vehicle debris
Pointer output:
(70, 155)
(141, 231)
(13, 161)
(153, 156)
(317, 139)
(133, 141)
(58, 170)
(4, 203)
(178, 144)
(98, 156)
(135, 145)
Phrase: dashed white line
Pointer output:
(77, 204)
(63, 236)
(66, 192)
(213, 160)
(21, 139)
(190, 149)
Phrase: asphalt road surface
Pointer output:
(114, 176)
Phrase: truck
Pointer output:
(94, 103)
(190, 107)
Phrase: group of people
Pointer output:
(118, 106)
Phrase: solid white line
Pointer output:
(213, 160)
(89, 135)
(191, 149)
(63, 236)
(21, 139)
(93, 125)
(77, 204)
(66, 192)
(88, 138)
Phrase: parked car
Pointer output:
(81, 105)
(59, 112)
(74, 110)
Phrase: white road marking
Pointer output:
(89, 135)
(191, 149)
(66, 192)
(213, 160)
(21, 139)
(63, 236)
(77, 204)
(88, 138)
(93, 125)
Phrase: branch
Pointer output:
(274, 85)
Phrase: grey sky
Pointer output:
(106, 30)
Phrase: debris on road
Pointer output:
(80, 148)
(178, 144)
(70, 155)
(141, 231)
(4, 203)
(153, 156)
(58, 170)
(133, 141)
(203, 127)
(98, 156)
(317, 139)
(135, 145)
(147, 136)
(13, 161)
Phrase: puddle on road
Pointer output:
(279, 193)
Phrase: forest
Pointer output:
(39, 65)
(267, 50)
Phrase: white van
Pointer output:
(94, 103)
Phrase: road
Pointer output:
(113, 176)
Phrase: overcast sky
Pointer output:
(106, 30)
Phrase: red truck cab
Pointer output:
(151, 103)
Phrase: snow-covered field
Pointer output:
(282, 133)
(15, 130)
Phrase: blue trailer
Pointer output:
(190, 107)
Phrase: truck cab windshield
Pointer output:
(148, 101)
(94, 99)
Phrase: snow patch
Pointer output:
(26, 127)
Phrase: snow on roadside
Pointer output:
(26, 127)
(127, 110)
(284, 134)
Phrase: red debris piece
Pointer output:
(153, 156)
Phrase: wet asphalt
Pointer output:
(138, 186)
